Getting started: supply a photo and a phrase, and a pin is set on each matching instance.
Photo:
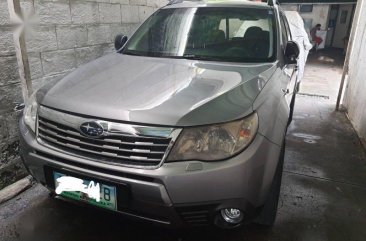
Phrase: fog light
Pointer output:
(232, 215)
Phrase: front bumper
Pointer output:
(175, 194)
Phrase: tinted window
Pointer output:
(220, 34)
(284, 32)
(287, 26)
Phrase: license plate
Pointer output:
(88, 191)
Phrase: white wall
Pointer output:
(355, 94)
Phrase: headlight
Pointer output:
(215, 142)
(30, 112)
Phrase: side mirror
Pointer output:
(120, 41)
(292, 52)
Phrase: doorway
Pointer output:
(343, 25)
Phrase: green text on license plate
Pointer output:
(107, 194)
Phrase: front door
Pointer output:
(289, 71)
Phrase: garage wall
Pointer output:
(355, 94)
(72, 33)
(10, 94)
(67, 34)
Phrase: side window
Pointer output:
(284, 32)
(288, 30)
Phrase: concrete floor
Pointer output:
(323, 195)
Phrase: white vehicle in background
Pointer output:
(301, 37)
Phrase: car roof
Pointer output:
(216, 3)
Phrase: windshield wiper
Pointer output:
(187, 56)
(200, 57)
(131, 53)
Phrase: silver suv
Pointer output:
(183, 125)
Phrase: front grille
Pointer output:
(93, 168)
(113, 148)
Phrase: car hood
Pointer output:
(159, 91)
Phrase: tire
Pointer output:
(268, 213)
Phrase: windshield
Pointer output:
(208, 33)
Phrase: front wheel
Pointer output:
(268, 214)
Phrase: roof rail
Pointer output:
(269, 2)
(173, 2)
(170, 2)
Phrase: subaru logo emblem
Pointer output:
(92, 129)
